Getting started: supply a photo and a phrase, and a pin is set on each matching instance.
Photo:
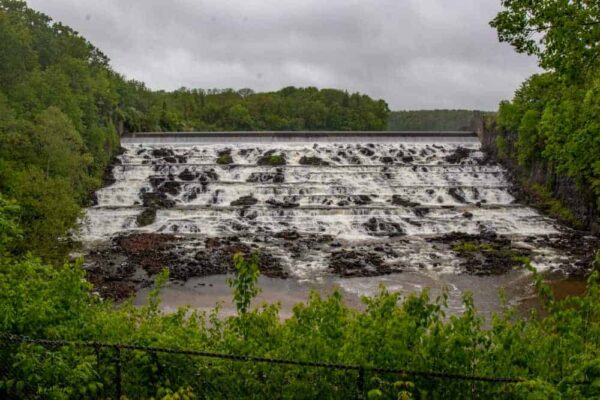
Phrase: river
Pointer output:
(349, 213)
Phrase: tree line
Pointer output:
(555, 114)
(431, 120)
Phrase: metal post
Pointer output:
(361, 395)
(118, 373)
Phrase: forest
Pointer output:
(432, 120)
(553, 122)
(62, 109)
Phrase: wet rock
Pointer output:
(459, 155)
(377, 227)
(354, 160)
(314, 161)
(484, 254)
(421, 211)
(224, 159)
(360, 200)
(248, 214)
(245, 201)
(282, 204)
(398, 200)
(266, 177)
(171, 187)
(219, 260)
(457, 194)
(270, 158)
(146, 217)
(287, 235)
(158, 153)
(365, 151)
(156, 200)
(349, 263)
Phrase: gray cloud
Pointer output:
(412, 53)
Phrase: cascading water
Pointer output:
(353, 211)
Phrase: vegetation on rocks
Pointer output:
(224, 159)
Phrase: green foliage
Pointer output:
(556, 114)
(502, 147)
(550, 351)
(244, 282)
(544, 199)
(214, 110)
(431, 120)
(275, 160)
(469, 247)
(224, 159)
(564, 35)
(10, 231)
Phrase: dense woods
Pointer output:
(288, 109)
(553, 123)
(432, 120)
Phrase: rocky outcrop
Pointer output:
(500, 147)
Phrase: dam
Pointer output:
(325, 210)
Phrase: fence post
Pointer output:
(118, 373)
(361, 395)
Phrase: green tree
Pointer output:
(564, 35)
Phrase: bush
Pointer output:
(549, 351)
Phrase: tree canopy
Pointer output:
(556, 114)
(564, 35)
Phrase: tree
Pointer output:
(564, 35)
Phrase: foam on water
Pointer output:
(408, 186)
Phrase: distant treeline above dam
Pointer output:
(432, 120)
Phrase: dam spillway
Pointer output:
(355, 208)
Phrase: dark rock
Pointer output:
(377, 227)
(457, 194)
(314, 161)
(386, 160)
(187, 175)
(398, 200)
(349, 263)
(282, 204)
(287, 235)
(458, 156)
(264, 177)
(271, 159)
(156, 200)
(366, 151)
(158, 153)
(146, 217)
(360, 200)
(245, 201)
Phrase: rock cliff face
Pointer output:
(580, 201)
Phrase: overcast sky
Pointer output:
(412, 53)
